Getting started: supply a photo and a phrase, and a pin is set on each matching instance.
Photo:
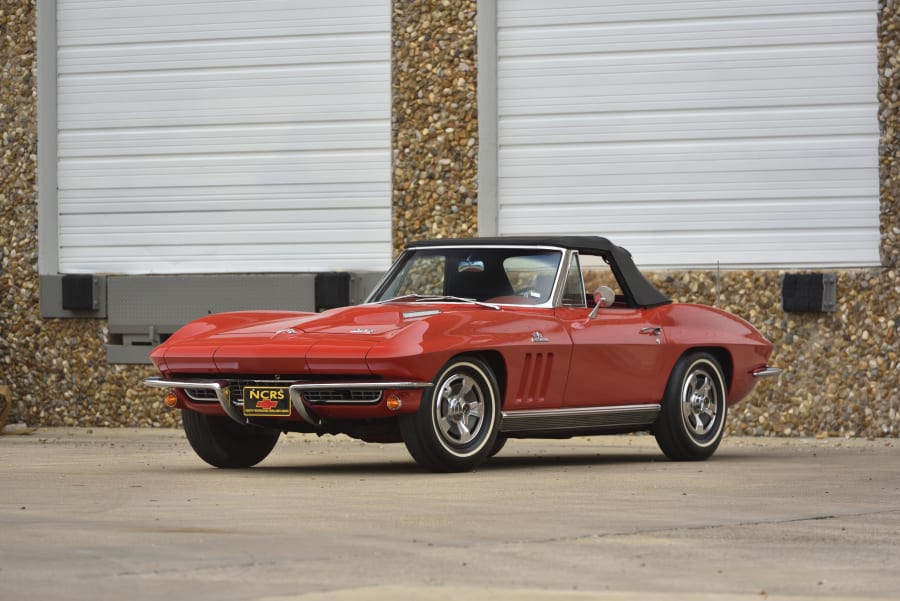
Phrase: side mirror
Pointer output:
(604, 296)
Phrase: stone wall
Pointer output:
(842, 373)
(434, 120)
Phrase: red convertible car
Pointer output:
(464, 344)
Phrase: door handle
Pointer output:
(652, 330)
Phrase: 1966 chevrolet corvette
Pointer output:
(464, 344)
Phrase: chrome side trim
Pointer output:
(221, 391)
(766, 372)
(378, 384)
(579, 418)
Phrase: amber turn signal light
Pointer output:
(171, 399)
(394, 403)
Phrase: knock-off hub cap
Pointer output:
(458, 410)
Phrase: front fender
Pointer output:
(523, 340)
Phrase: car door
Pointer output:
(617, 357)
(618, 352)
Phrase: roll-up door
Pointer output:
(738, 132)
(206, 136)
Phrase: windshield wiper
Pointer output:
(424, 298)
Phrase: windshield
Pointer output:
(517, 276)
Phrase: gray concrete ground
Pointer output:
(134, 514)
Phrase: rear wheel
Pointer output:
(456, 426)
(692, 420)
(222, 442)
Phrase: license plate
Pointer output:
(267, 401)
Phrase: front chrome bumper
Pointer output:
(220, 388)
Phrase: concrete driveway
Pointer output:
(134, 514)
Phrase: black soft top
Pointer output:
(641, 292)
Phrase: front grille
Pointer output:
(236, 393)
(318, 396)
(342, 395)
(204, 395)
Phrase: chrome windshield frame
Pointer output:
(404, 256)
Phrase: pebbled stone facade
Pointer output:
(434, 120)
(842, 369)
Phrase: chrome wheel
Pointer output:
(699, 403)
(459, 410)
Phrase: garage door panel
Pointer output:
(238, 79)
(189, 171)
(528, 13)
(235, 227)
(289, 137)
(718, 214)
(689, 68)
(744, 123)
(224, 54)
(676, 187)
(679, 82)
(600, 38)
(848, 249)
(240, 96)
(764, 156)
(215, 198)
(686, 184)
(134, 21)
(181, 256)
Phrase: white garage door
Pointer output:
(742, 132)
(223, 136)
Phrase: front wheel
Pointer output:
(457, 423)
(692, 420)
(222, 442)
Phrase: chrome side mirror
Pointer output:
(604, 296)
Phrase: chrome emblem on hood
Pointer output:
(291, 331)
(362, 331)
(539, 337)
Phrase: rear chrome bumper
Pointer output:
(766, 372)
(220, 388)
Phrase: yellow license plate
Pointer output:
(267, 401)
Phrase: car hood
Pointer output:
(263, 342)
(368, 320)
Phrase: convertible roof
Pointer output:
(641, 291)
